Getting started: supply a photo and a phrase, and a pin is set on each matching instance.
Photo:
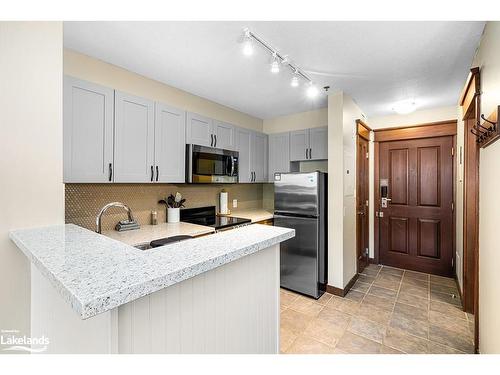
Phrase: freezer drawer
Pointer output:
(299, 256)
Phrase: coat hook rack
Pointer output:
(489, 131)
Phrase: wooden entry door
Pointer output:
(416, 230)
(362, 196)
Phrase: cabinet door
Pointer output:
(88, 131)
(243, 144)
(299, 143)
(199, 130)
(279, 154)
(258, 153)
(170, 144)
(134, 138)
(318, 143)
(223, 135)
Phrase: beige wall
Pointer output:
(98, 71)
(31, 189)
(297, 121)
(342, 116)
(488, 59)
(415, 118)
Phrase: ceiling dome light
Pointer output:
(275, 66)
(312, 91)
(295, 81)
(404, 107)
(247, 44)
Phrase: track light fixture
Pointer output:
(250, 39)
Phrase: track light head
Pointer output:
(275, 66)
(247, 43)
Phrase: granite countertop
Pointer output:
(254, 214)
(95, 273)
(148, 233)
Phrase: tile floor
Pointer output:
(387, 311)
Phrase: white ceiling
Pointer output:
(377, 63)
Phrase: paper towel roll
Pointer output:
(223, 203)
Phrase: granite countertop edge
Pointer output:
(101, 302)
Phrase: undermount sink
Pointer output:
(162, 242)
(143, 246)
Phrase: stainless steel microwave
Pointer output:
(207, 165)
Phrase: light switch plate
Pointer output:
(235, 203)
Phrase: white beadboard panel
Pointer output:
(54, 318)
(231, 309)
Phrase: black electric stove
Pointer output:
(207, 216)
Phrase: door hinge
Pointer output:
(452, 206)
(452, 263)
(452, 151)
(367, 155)
(366, 251)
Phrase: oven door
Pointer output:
(211, 165)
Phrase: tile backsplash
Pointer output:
(83, 201)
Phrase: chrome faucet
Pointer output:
(98, 220)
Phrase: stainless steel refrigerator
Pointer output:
(300, 202)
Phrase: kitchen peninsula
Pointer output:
(218, 293)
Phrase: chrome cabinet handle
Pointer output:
(152, 173)
(157, 173)
(110, 178)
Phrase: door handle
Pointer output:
(152, 173)
(110, 172)
(306, 152)
(361, 213)
(215, 140)
(157, 173)
(310, 153)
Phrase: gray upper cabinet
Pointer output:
(199, 130)
(318, 143)
(134, 139)
(243, 139)
(279, 154)
(309, 144)
(299, 144)
(170, 140)
(87, 132)
(223, 135)
(258, 154)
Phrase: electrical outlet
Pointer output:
(235, 203)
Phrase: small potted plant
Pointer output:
(174, 203)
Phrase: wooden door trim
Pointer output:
(470, 101)
(376, 205)
(363, 130)
(428, 130)
(362, 133)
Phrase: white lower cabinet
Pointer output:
(134, 139)
(279, 154)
